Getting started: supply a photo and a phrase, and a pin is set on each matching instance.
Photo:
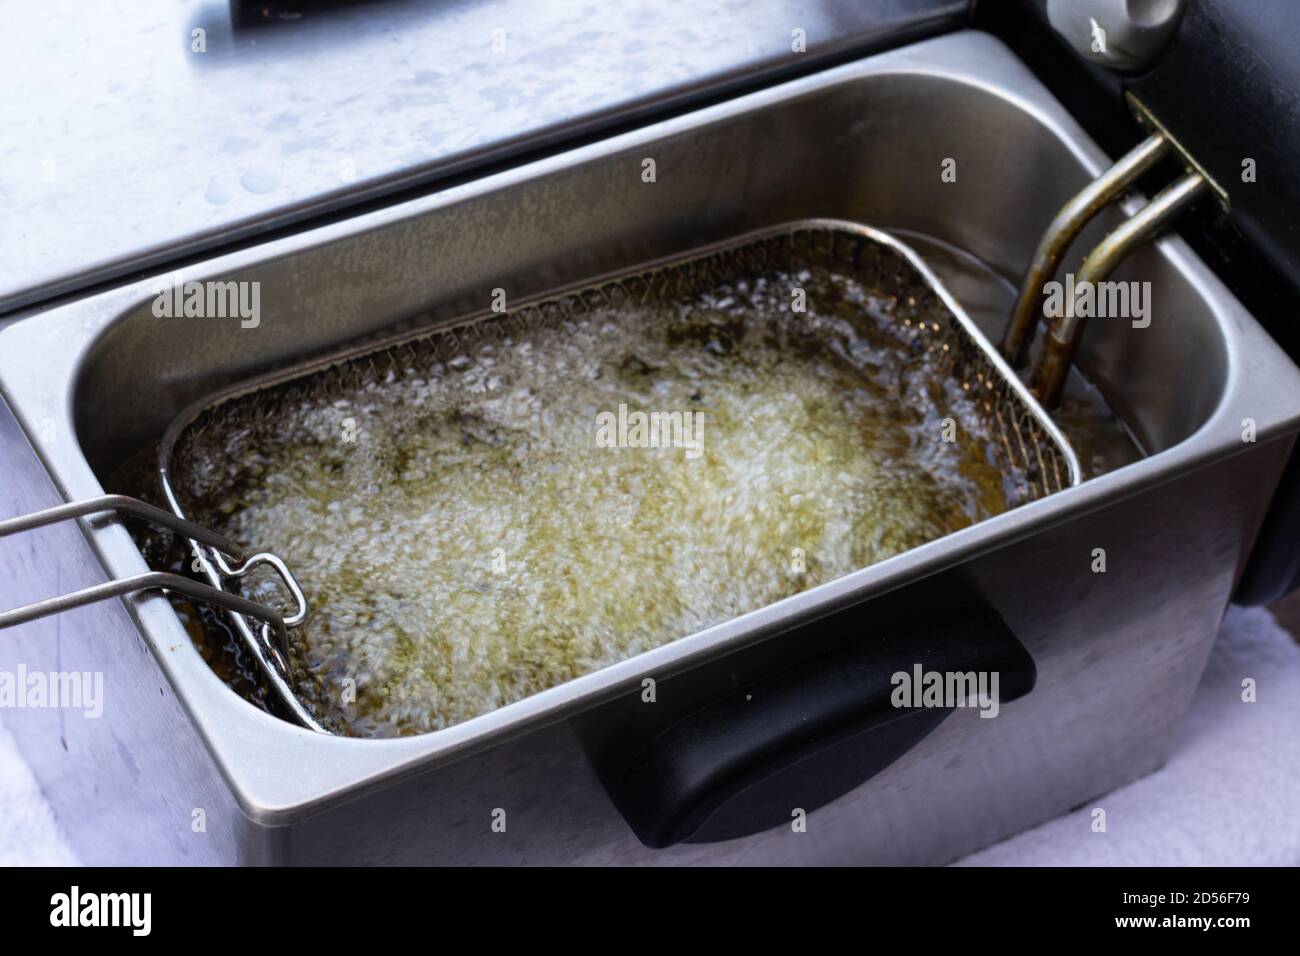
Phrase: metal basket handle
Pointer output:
(274, 665)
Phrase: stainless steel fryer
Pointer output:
(1117, 654)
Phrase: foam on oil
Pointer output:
(465, 542)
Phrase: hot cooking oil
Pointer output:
(493, 522)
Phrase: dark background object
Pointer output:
(1228, 86)
(246, 14)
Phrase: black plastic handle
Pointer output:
(803, 737)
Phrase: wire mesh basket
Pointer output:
(1031, 453)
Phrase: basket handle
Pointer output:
(150, 581)
(124, 505)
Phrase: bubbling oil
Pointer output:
(466, 541)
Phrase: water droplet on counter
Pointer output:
(258, 180)
(217, 193)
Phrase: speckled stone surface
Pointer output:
(126, 144)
